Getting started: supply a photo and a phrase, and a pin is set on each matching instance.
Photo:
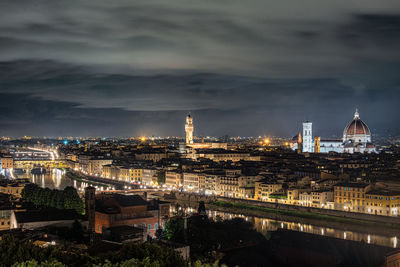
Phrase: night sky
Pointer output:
(248, 68)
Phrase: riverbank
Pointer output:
(347, 224)
(74, 176)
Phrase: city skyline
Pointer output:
(127, 69)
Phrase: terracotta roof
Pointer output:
(356, 126)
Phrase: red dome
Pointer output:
(356, 127)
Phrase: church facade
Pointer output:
(356, 139)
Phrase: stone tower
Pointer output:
(299, 143)
(307, 137)
(90, 207)
(189, 129)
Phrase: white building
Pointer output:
(308, 143)
(356, 138)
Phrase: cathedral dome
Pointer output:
(357, 130)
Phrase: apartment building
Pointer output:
(350, 196)
(173, 179)
(263, 189)
(382, 202)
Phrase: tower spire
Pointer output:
(356, 114)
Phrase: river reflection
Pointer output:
(263, 225)
(57, 180)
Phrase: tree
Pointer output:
(174, 229)
(161, 177)
(65, 199)
(202, 208)
(34, 263)
(77, 231)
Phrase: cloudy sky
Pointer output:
(130, 68)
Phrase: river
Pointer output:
(57, 180)
(263, 225)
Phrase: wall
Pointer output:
(352, 215)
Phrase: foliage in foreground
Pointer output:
(205, 235)
(14, 253)
(59, 199)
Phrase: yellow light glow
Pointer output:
(266, 140)
(142, 138)
(287, 143)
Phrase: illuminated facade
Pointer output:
(307, 137)
(350, 196)
(382, 202)
(356, 138)
(263, 190)
(173, 179)
(189, 128)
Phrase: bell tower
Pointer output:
(189, 129)
(307, 137)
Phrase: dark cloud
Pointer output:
(55, 99)
(124, 68)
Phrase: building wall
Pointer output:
(350, 198)
(147, 176)
(173, 179)
(136, 216)
(5, 219)
(135, 175)
(12, 190)
(382, 204)
(307, 137)
(191, 181)
(7, 163)
(263, 190)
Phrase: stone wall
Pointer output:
(338, 213)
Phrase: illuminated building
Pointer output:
(189, 129)
(173, 179)
(149, 175)
(382, 202)
(357, 136)
(7, 162)
(350, 196)
(12, 188)
(263, 189)
(317, 144)
(121, 210)
(191, 181)
(135, 175)
(307, 137)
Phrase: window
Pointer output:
(156, 226)
(143, 225)
(149, 226)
